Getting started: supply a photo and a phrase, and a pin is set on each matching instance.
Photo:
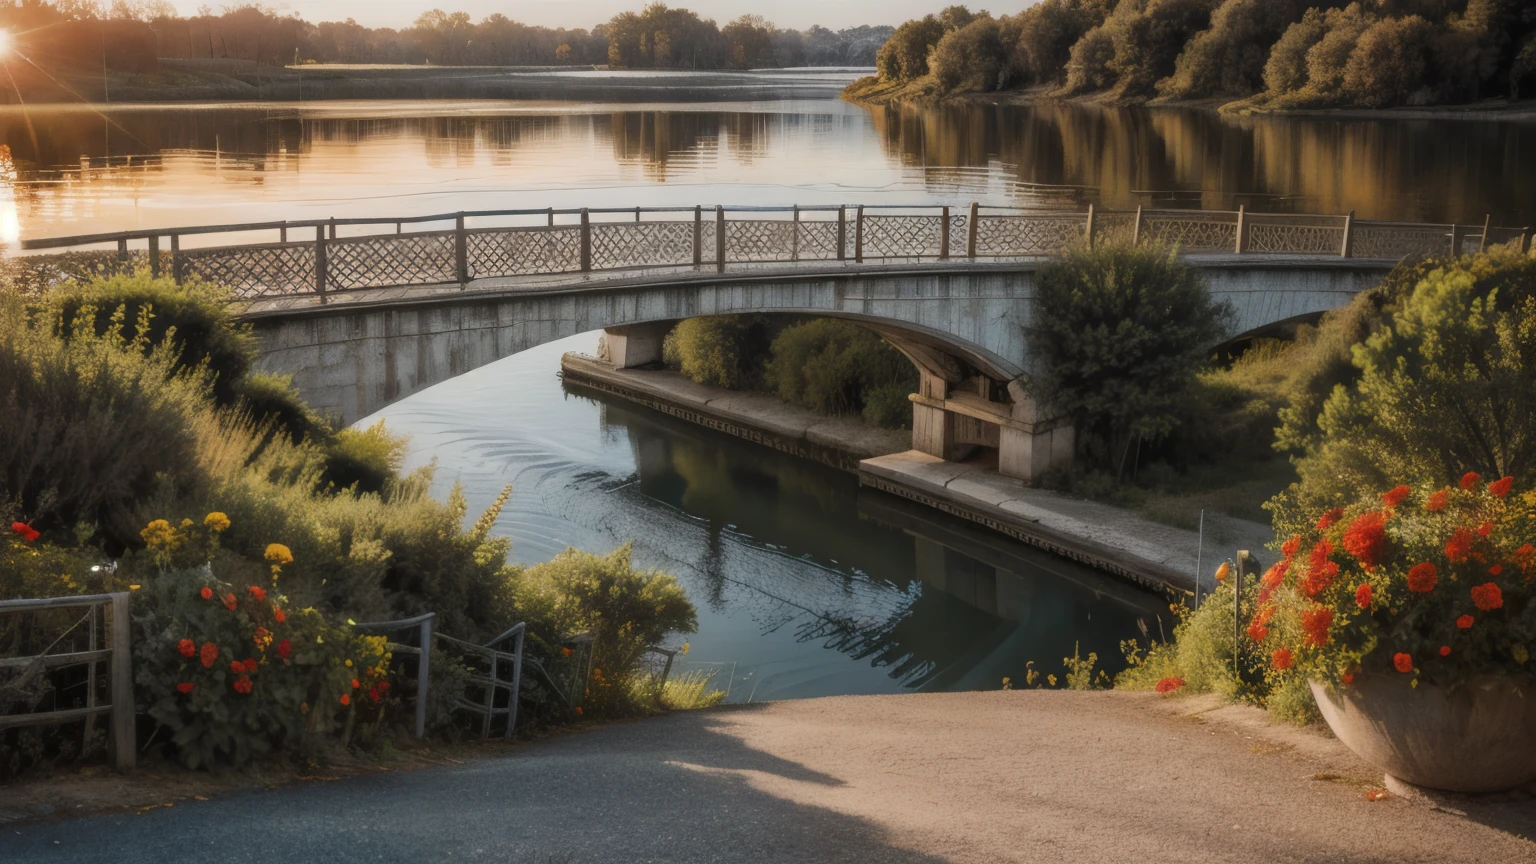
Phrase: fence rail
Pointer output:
(116, 652)
(322, 258)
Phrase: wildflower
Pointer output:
(159, 533)
(1487, 596)
(259, 593)
(134, 587)
(188, 648)
(208, 654)
(373, 694)
(1321, 571)
(1169, 685)
(1465, 622)
(356, 684)
(1223, 571)
(1422, 578)
(229, 601)
(1500, 487)
(278, 615)
(1470, 480)
(1495, 569)
(1282, 659)
(1290, 547)
(27, 532)
(346, 699)
(1437, 500)
(566, 652)
(206, 593)
(578, 711)
(278, 554)
(1317, 623)
(284, 648)
(243, 684)
(184, 687)
(349, 663)
(1459, 547)
(1445, 650)
(216, 522)
(1363, 595)
(1366, 538)
(1402, 662)
(1258, 632)
(1485, 529)
(1396, 496)
(263, 638)
(1349, 675)
(1327, 520)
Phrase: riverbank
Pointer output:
(1072, 777)
(1118, 541)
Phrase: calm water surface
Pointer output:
(806, 585)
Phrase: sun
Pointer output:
(5, 42)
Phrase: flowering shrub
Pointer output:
(1431, 584)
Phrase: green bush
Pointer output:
(719, 350)
(1047, 33)
(1286, 69)
(904, 57)
(1229, 58)
(363, 461)
(834, 367)
(272, 399)
(971, 58)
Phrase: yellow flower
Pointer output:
(134, 587)
(1520, 653)
(216, 522)
(349, 662)
(277, 553)
(159, 535)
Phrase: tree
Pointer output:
(904, 57)
(1116, 344)
(971, 58)
(1229, 58)
(1048, 31)
(1390, 63)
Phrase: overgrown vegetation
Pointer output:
(1264, 54)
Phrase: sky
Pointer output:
(793, 14)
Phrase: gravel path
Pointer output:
(1098, 778)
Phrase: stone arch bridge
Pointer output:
(361, 317)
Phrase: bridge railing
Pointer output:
(321, 258)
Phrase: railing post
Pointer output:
(551, 217)
(944, 234)
(858, 235)
(794, 233)
(1090, 225)
(490, 699)
(842, 233)
(698, 235)
(637, 215)
(1525, 241)
(970, 231)
(322, 265)
(333, 228)
(1242, 229)
(586, 241)
(154, 255)
(124, 739)
(1482, 245)
(1347, 248)
(423, 677)
(517, 683)
(122, 253)
(282, 232)
(1458, 238)
(461, 251)
(719, 238)
(1136, 229)
(176, 269)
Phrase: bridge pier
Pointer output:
(950, 419)
(633, 345)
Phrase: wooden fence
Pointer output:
(325, 258)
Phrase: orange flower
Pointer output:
(206, 593)
(356, 684)
(1470, 480)
(1422, 578)
(1321, 571)
(1487, 596)
(1282, 659)
(1437, 500)
(1396, 496)
(1459, 547)
(229, 602)
(209, 653)
(27, 532)
(258, 593)
(346, 699)
(566, 652)
(1465, 622)
(184, 687)
(1223, 571)
(1500, 487)
(188, 648)
(578, 710)
(1290, 547)
(1363, 595)
(1258, 632)
(1326, 521)
(1317, 623)
(1169, 685)
(1402, 662)
(1445, 650)
(1366, 538)
(277, 614)
(243, 684)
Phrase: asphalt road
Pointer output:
(1098, 778)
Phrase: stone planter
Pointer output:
(1479, 738)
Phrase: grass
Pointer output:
(690, 691)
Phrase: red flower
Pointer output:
(1290, 547)
(1485, 529)
(1465, 622)
(188, 648)
(1366, 538)
(243, 684)
(251, 664)
(1349, 675)
(1396, 496)
(1495, 569)
(356, 684)
(184, 687)
(373, 693)
(1459, 547)
(206, 593)
(237, 667)
(1499, 488)
(1487, 596)
(210, 653)
(1470, 480)
(1325, 521)
(1363, 595)
(1258, 632)
(1525, 557)
(229, 602)
(1402, 662)
(346, 699)
(1276, 574)
(258, 593)
(1445, 650)
(1282, 659)
(284, 649)
(1437, 500)
(1316, 623)
(278, 615)
(1168, 685)
(27, 532)
(1321, 571)
(1422, 578)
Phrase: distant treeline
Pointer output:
(1275, 53)
(130, 36)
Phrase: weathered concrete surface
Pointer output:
(353, 357)
(986, 777)
(1104, 536)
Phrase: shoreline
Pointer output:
(1130, 547)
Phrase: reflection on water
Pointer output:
(806, 585)
(158, 166)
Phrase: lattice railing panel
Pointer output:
(749, 240)
(641, 244)
(1190, 234)
(391, 259)
(817, 241)
(707, 242)
(34, 274)
(1115, 228)
(254, 271)
(1399, 241)
(903, 236)
(523, 251)
(1009, 236)
(1292, 239)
